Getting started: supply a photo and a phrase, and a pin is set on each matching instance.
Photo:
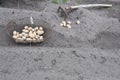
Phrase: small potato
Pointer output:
(14, 32)
(23, 38)
(34, 40)
(33, 30)
(20, 35)
(30, 28)
(25, 34)
(41, 38)
(69, 22)
(36, 28)
(15, 37)
(17, 41)
(28, 40)
(20, 40)
(32, 34)
(68, 26)
(40, 32)
(37, 36)
(26, 27)
(61, 24)
(40, 28)
(17, 33)
(25, 31)
(78, 22)
(64, 23)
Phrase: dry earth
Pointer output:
(89, 51)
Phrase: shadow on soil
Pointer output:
(107, 40)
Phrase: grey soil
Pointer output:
(89, 51)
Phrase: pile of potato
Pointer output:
(68, 24)
(29, 35)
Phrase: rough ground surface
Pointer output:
(89, 51)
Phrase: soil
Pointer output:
(89, 51)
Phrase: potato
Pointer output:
(34, 40)
(39, 32)
(25, 34)
(61, 24)
(28, 40)
(26, 27)
(78, 22)
(41, 38)
(32, 34)
(14, 32)
(19, 40)
(40, 28)
(33, 30)
(30, 28)
(68, 26)
(15, 37)
(37, 36)
(36, 28)
(23, 38)
(20, 35)
(64, 23)
(69, 22)
(25, 31)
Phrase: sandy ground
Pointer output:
(89, 51)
